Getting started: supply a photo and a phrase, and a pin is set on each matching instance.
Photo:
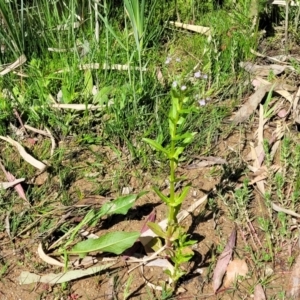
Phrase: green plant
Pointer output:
(114, 242)
(176, 239)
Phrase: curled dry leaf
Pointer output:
(223, 261)
(237, 267)
(27, 157)
(259, 293)
(49, 260)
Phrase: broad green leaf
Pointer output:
(114, 242)
(102, 96)
(155, 145)
(156, 229)
(161, 195)
(66, 95)
(118, 206)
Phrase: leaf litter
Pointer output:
(223, 262)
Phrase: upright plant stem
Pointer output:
(172, 214)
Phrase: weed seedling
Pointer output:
(176, 239)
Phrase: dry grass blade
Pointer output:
(27, 157)
(7, 225)
(81, 107)
(6, 185)
(45, 133)
(194, 28)
(19, 62)
(286, 211)
(105, 66)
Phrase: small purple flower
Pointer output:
(197, 74)
(168, 60)
(174, 84)
(204, 76)
(183, 88)
(201, 102)
(178, 59)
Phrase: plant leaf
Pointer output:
(156, 229)
(183, 194)
(88, 83)
(155, 145)
(113, 242)
(161, 195)
(223, 261)
(178, 151)
(118, 206)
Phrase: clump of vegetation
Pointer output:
(87, 86)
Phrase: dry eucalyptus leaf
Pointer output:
(223, 261)
(207, 162)
(259, 293)
(294, 284)
(237, 267)
(250, 106)
(264, 70)
(27, 277)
